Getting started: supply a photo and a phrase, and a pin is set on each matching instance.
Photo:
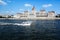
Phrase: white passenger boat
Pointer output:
(27, 23)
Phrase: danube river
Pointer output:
(39, 30)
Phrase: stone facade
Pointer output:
(34, 14)
(51, 14)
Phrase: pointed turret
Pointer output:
(33, 9)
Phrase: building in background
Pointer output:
(26, 13)
(43, 13)
(51, 14)
(58, 16)
(18, 15)
(34, 14)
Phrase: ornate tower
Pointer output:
(33, 10)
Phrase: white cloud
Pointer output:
(21, 9)
(7, 11)
(28, 5)
(2, 2)
(47, 5)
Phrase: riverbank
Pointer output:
(38, 18)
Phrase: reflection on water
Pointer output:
(39, 30)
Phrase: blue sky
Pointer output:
(15, 6)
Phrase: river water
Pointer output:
(39, 30)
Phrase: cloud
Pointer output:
(2, 2)
(28, 5)
(47, 5)
(7, 11)
(21, 9)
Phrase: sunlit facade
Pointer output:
(35, 14)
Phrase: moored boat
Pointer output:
(27, 23)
